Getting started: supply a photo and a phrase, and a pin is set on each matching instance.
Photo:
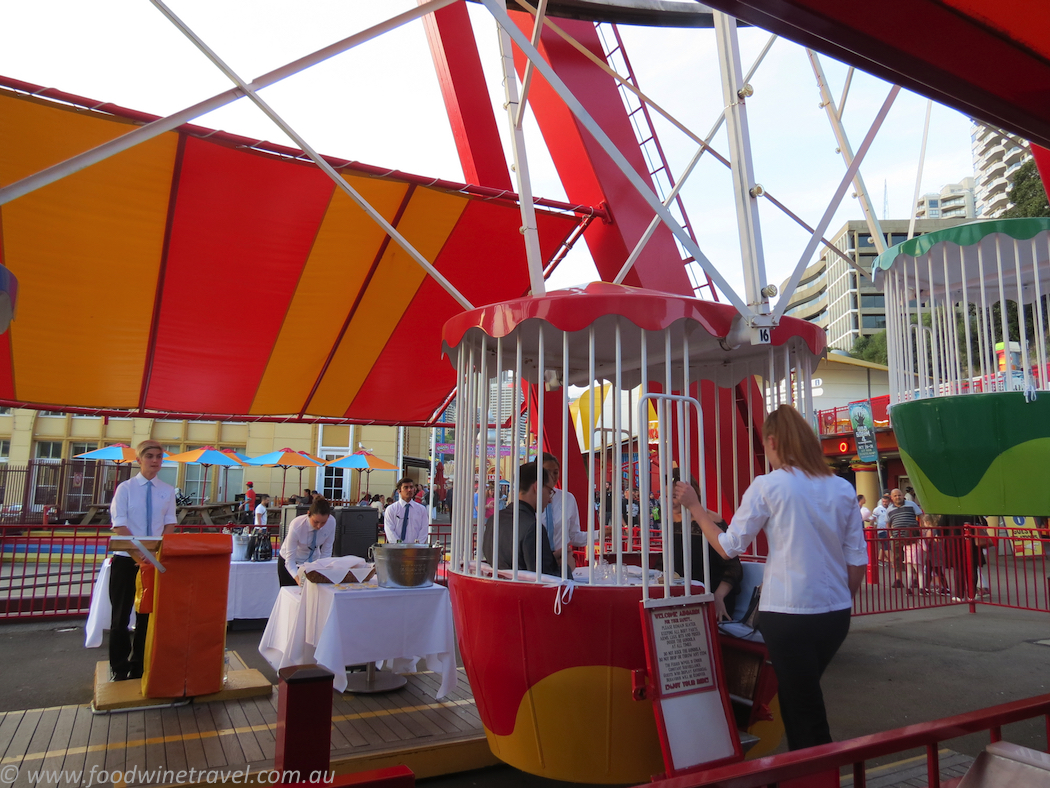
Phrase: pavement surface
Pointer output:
(894, 669)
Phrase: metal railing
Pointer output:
(48, 571)
(855, 752)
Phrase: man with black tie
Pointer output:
(405, 520)
(143, 506)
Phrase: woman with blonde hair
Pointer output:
(815, 565)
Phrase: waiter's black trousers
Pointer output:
(800, 648)
(125, 657)
(284, 577)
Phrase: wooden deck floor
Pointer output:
(69, 746)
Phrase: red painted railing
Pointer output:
(855, 752)
(49, 571)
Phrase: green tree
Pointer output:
(1027, 193)
(871, 348)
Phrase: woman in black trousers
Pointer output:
(816, 562)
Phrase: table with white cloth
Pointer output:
(335, 626)
(252, 592)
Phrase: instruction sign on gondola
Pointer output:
(694, 718)
(682, 650)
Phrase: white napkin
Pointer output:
(335, 569)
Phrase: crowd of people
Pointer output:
(926, 552)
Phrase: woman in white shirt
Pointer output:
(815, 565)
(310, 537)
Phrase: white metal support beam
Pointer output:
(325, 167)
(840, 192)
(521, 163)
(847, 152)
(143, 133)
(745, 191)
(498, 10)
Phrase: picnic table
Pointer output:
(222, 513)
(96, 513)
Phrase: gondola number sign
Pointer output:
(760, 335)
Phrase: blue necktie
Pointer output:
(149, 507)
(549, 515)
(313, 545)
(404, 522)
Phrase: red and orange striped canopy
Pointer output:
(202, 274)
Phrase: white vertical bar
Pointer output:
(1022, 329)
(690, 472)
(964, 275)
(984, 336)
(1041, 328)
(618, 448)
(1008, 372)
(541, 374)
(643, 415)
(563, 462)
(515, 485)
(592, 526)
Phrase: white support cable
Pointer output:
(541, 369)
(498, 10)
(845, 94)
(322, 164)
(918, 173)
(526, 79)
(847, 152)
(829, 213)
(655, 222)
(1022, 329)
(141, 134)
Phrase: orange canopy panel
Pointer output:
(205, 274)
(990, 60)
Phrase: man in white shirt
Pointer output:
(405, 520)
(143, 506)
(561, 501)
(310, 537)
(262, 510)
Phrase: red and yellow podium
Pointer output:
(186, 642)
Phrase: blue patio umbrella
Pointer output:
(362, 461)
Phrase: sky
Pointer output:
(380, 104)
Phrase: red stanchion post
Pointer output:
(971, 588)
(304, 721)
(871, 535)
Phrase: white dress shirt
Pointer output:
(814, 531)
(552, 514)
(295, 550)
(418, 522)
(128, 509)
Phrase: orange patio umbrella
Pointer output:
(362, 460)
(287, 458)
(206, 456)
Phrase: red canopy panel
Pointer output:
(208, 277)
(988, 60)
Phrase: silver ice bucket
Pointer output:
(405, 565)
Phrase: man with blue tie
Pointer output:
(143, 506)
(405, 520)
(310, 537)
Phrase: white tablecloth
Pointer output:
(252, 593)
(335, 628)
